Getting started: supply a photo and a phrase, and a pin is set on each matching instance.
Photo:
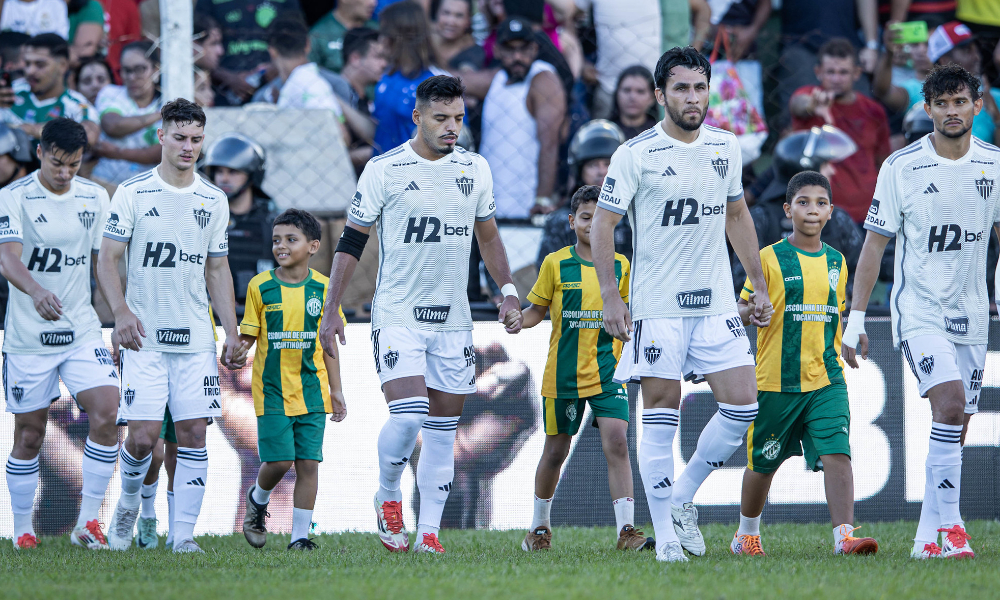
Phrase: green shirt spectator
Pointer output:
(327, 35)
(86, 29)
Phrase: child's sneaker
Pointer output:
(146, 537)
(538, 539)
(254, 529)
(303, 544)
(748, 545)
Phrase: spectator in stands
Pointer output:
(807, 24)
(35, 17)
(235, 163)
(86, 29)
(15, 154)
(364, 64)
(522, 118)
(835, 102)
(208, 52)
(91, 76)
(46, 60)
(633, 107)
(628, 33)
(124, 27)
(130, 116)
(204, 94)
(453, 42)
(244, 35)
(899, 93)
(982, 17)
(11, 50)
(589, 156)
(410, 56)
(327, 35)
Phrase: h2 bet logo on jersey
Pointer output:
(687, 211)
(40, 260)
(165, 254)
(430, 229)
(949, 238)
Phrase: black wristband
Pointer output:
(352, 242)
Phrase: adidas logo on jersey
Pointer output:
(413, 186)
(197, 481)
(153, 212)
(931, 189)
(41, 219)
(669, 171)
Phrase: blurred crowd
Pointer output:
(553, 88)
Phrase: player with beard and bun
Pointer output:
(939, 196)
(49, 230)
(426, 197)
(681, 185)
(173, 223)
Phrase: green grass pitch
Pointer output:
(490, 564)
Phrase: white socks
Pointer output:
(624, 513)
(749, 525)
(301, 522)
(395, 443)
(261, 496)
(944, 455)
(721, 437)
(656, 466)
(22, 481)
(930, 518)
(540, 518)
(170, 517)
(98, 466)
(148, 496)
(133, 472)
(189, 490)
(435, 471)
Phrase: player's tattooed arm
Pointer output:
(743, 237)
(495, 256)
(128, 329)
(46, 303)
(617, 320)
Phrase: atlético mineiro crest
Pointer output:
(652, 353)
(465, 185)
(984, 187)
(202, 216)
(86, 218)
(721, 166)
(926, 364)
(391, 358)
(129, 394)
(18, 393)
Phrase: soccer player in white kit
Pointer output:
(50, 228)
(426, 198)
(939, 196)
(173, 223)
(681, 185)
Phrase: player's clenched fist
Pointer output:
(617, 319)
(510, 314)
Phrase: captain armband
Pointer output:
(352, 242)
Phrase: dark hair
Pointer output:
(680, 57)
(288, 36)
(148, 49)
(801, 180)
(55, 44)
(633, 71)
(837, 47)
(407, 36)
(11, 43)
(587, 193)
(92, 60)
(950, 79)
(182, 111)
(65, 135)
(439, 88)
(202, 24)
(436, 6)
(360, 40)
(301, 219)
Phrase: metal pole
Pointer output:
(176, 55)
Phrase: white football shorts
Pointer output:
(934, 359)
(31, 381)
(186, 382)
(684, 348)
(445, 359)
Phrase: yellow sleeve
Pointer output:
(842, 289)
(251, 312)
(543, 290)
(747, 290)
(626, 274)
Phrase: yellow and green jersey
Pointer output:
(582, 356)
(800, 351)
(289, 375)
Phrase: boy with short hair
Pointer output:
(579, 370)
(802, 394)
(291, 375)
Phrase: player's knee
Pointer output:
(29, 438)
(306, 468)
(616, 446)
(950, 410)
(554, 454)
(103, 428)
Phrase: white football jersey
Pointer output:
(58, 236)
(942, 210)
(171, 232)
(676, 195)
(424, 213)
